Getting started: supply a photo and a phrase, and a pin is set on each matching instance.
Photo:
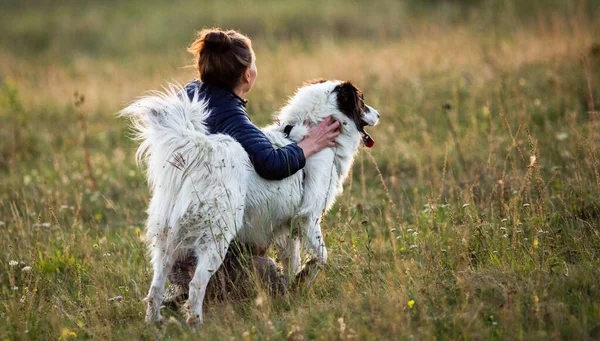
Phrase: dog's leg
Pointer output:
(294, 256)
(162, 263)
(313, 240)
(289, 254)
(319, 193)
(210, 256)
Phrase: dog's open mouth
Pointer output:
(366, 138)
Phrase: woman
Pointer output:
(227, 70)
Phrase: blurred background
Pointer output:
(475, 216)
(113, 50)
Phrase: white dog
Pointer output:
(205, 191)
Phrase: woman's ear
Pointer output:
(247, 75)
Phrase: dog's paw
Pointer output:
(153, 311)
(153, 316)
(191, 318)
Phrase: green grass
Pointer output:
(491, 234)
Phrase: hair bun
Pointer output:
(217, 41)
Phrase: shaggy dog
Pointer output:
(205, 191)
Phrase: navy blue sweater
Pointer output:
(228, 116)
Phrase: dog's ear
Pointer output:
(350, 101)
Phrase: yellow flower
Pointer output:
(411, 303)
(536, 298)
(67, 334)
(536, 242)
(486, 111)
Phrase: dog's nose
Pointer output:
(378, 115)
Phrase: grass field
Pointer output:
(475, 216)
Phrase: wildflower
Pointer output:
(26, 269)
(505, 219)
(138, 232)
(562, 136)
(505, 235)
(409, 230)
(532, 159)
(415, 233)
(295, 333)
(536, 298)
(15, 288)
(64, 207)
(67, 334)
(1, 223)
(486, 110)
(260, 300)
(536, 242)
(413, 247)
(464, 205)
(502, 228)
(526, 205)
(13, 263)
(116, 298)
(342, 326)
(411, 303)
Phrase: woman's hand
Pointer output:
(320, 137)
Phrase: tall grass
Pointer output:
(475, 216)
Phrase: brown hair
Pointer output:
(221, 56)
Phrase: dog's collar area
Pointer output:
(287, 130)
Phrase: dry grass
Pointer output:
(501, 245)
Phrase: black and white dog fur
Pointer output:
(205, 191)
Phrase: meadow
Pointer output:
(475, 216)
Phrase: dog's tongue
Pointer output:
(367, 140)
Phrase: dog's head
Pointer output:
(350, 102)
(340, 99)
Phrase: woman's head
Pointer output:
(225, 58)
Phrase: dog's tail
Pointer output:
(171, 131)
